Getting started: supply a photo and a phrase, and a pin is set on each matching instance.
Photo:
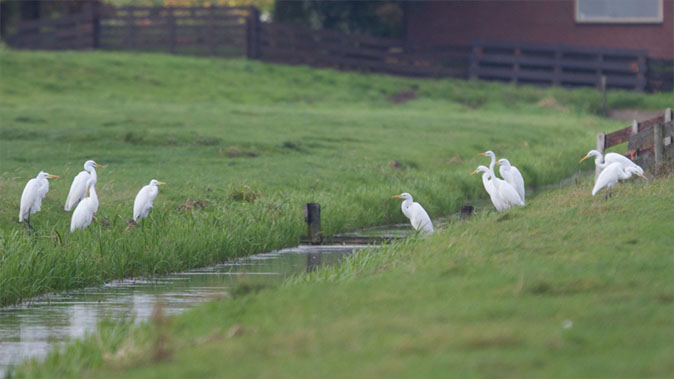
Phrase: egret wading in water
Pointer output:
(603, 161)
(31, 198)
(143, 203)
(416, 213)
(511, 175)
(489, 187)
(610, 176)
(86, 208)
(79, 187)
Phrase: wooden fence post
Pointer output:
(601, 143)
(253, 34)
(658, 141)
(602, 85)
(312, 216)
(171, 23)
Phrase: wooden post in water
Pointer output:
(312, 216)
(601, 143)
(466, 212)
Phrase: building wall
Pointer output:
(538, 21)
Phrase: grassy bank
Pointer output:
(570, 286)
(242, 146)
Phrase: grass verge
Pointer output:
(242, 145)
(569, 286)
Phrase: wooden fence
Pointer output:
(559, 65)
(660, 75)
(220, 31)
(68, 32)
(325, 48)
(649, 142)
(237, 31)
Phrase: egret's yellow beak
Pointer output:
(396, 196)
(52, 176)
(643, 176)
(161, 183)
(474, 172)
(482, 154)
(99, 166)
(584, 158)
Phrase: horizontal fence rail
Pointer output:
(649, 142)
(559, 65)
(660, 75)
(220, 31)
(68, 32)
(238, 31)
(326, 48)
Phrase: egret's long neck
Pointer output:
(407, 203)
(93, 175)
(92, 192)
(492, 164)
(599, 161)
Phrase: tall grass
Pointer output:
(251, 143)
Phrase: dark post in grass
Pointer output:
(466, 212)
(312, 216)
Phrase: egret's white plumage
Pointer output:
(416, 213)
(610, 176)
(79, 187)
(489, 187)
(512, 175)
(505, 192)
(33, 193)
(84, 212)
(143, 203)
(603, 161)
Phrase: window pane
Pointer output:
(618, 9)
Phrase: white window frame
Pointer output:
(625, 20)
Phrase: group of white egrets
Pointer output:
(82, 196)
(509, 192)
(505, 192)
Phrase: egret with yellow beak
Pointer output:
(143, 203)
(416, 213)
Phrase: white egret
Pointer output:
(31, 198)
(489, 187)
(502, 189)
(610, 176)
(79, 187)
(603, 161)
(511, 175)
(84, 212)
(143, 203)
(416, 213)
(491, 155)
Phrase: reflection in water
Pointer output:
(32, 329)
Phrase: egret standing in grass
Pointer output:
(31, 198)
(143, 203)
(84, 213)
(603, 161)
(79, 187)
(511, 175)
(488, 183)
(610, 176)
(416, 213)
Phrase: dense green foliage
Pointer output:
(569, 286)
(251, 143)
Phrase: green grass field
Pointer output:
(251, 142)
(569, 286)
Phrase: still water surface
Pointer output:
(32, 329)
